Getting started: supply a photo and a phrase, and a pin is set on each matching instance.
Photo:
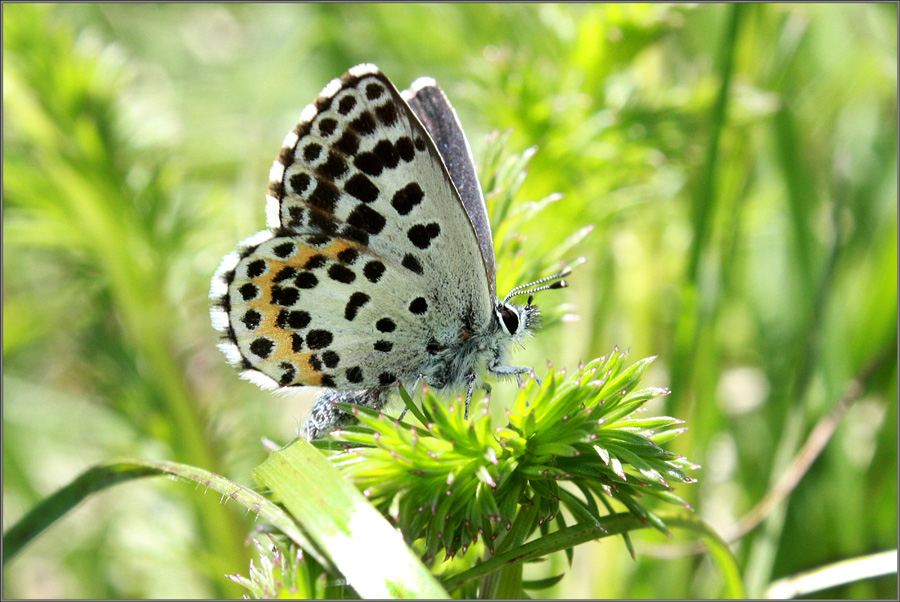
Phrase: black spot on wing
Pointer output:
(256, 268)
(295, 214)
(411, 263)
(357, 300)
(295, 320)
(348, 143)
(407, 198)
(387, 113)
(405, 148)
(299, 183)
(331, 359)
(340, 273)
(421, 235)
(316, 261)
(324, 196)
(362, 188)
(334, 168)
(252, 319)
(262, 347)
(373, 271)
(318, 240)
(356, 235)
(287, 376)
(367, 219)
(327, 126)
(318, 339)
(387, 154)
(306, 280)
(296, 342)
(369, 163)
(418, 306)
(385, 325)
(346, 104)
(248, 291)
(284, 295)
(348, 256)
(374, 91)
(284, 250)
(311, 152)
(354, 374)
(283, 274)
(364, 124)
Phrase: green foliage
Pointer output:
(737, 164)
(279, 573)
(457, 486)
(454, 480)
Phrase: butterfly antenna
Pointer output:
(526, 289)
(531, 291)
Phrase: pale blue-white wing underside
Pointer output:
(431, 106)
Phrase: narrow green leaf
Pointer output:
(408, 401)
(100, 477)
(544, 583)
(362, 544)
(58, 504)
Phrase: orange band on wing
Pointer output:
(283, 337)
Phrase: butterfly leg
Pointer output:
(469, 391)
(517, 371)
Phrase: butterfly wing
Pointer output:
(433, 109)
(372, 264)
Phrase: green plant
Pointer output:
(476, 501)
(454, 486)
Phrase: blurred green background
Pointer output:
(738, 162)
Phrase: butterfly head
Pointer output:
(519, 320)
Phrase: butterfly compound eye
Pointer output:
(509, 319)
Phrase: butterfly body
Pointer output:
(459, 367)
(378, 264)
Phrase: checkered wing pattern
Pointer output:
(371, 265)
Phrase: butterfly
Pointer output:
(378, 265)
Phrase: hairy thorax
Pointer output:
(467, 359)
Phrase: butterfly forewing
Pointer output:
(431, 106)
(372, 263)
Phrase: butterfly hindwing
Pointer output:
(371, 263)
(302, 311)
